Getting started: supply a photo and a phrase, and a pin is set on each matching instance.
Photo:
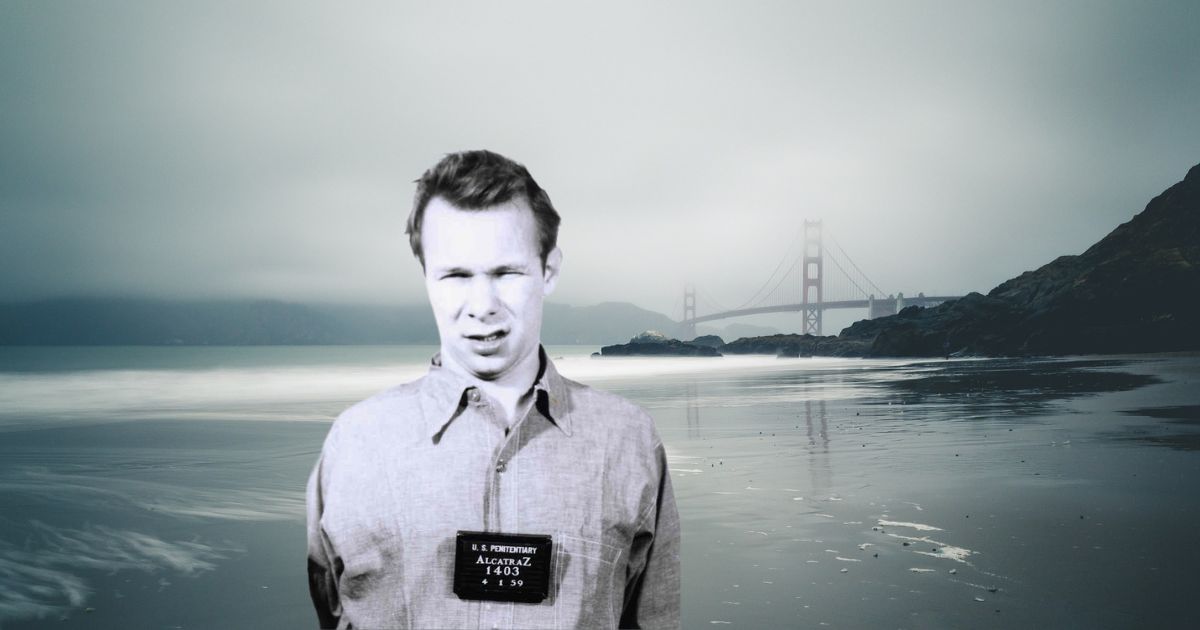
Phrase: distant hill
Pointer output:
(602, 323)
(1136, 290)
(131, 321)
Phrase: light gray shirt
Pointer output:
(403, 471)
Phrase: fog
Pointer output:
(222, 150)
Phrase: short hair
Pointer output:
(476, 180)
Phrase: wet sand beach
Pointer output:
(978, 494)
(164, 488)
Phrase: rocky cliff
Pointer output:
(1136, 290)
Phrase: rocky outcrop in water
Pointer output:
(712, 341)
(654, 343)
(798, 346)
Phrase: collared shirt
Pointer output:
(404, 471)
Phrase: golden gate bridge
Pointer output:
(800, 283)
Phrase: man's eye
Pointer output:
(454, 276)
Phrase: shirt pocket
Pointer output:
(585, 582)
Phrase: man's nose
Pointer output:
(481, 298)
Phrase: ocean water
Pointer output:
(163, 487)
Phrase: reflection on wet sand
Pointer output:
(1184, 418)
(693, 411)
(820, 464)
(1013, 386)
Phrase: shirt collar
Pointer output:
(447, 393)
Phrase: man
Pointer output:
(492, 492)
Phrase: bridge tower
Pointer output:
(689, 312)
(812, 277)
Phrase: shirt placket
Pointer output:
(501, 510)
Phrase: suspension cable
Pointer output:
(864, 276)
(786, 256)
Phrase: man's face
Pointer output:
(486, 284)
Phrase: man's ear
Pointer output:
(550, 270)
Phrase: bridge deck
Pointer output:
(790, 308)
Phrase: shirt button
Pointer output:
(501, 466)
(473, 395)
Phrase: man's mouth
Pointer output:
(492, 336)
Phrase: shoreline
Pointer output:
(791, 475)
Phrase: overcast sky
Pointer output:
(213, 150)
